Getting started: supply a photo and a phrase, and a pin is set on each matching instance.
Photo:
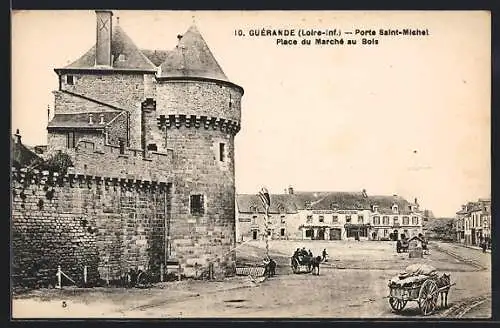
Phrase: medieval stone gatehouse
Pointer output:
(151, 135)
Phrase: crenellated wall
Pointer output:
(107, 224)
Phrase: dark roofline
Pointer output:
(66, 128)
(104, 70)
(195, 78)
(92, 100)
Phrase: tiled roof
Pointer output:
(299, 200)
(157, 57)
(245, 203)
(191, 58)
(81, 120)
(121, 44)
(21, 155)
(325, 200)
(385, 203)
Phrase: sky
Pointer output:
(407, 116)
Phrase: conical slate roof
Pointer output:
(191, 58)
(121, 44)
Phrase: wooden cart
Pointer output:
(425, 294)
(301, 264)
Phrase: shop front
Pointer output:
(357, 231)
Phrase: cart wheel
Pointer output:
(428, 297)
(397, 304)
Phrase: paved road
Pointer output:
(352, 284)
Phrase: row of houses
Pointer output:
(473, 222)
(327, 216)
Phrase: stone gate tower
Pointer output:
(172, 112)
(198, 116)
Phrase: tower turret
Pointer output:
(198, 110)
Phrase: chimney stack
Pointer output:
(18, 137)
(365, 195)
(290, 190)
(103, 41)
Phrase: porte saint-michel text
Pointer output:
(306, 37)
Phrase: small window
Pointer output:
(122, 146)
(335, 219)
(122, 57)
(308, 233)
(152, 147)
(385, 220)
(197, 205)
(283, 219)
(282, 232)
(395, 220)
(268, 232)
(348, 218)
(222, 152)
(321, 219)
(71, 141)
(406, 220)
(309, 219)
(69, 79)
(360, 218)
(376, 220)
(254, 219)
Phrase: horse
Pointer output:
(443, 281)
(314, 263)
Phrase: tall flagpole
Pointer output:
(266, 202)
(267, 232)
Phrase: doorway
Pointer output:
(321, 234)
(254, 235)
(334, 234)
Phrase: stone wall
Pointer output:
(73, 221)
(107, 161)
(67, 103)
(58, 139)
(200, 98)
(118, 129)
(124, 90)
(199, 239)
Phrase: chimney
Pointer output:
(365, 195)
(103, 40)
(90, 119)
(290, 190)
(416, 201)
(18, 137)
(101, 119)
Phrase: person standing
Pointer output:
(324, 254)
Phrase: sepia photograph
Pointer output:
(250, 164)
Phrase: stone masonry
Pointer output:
(74, 221)
(181, 121)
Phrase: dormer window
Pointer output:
(253, 209)
(375, 208)
(308, 205)
(334, 206)
(122, 57)
(395, 208)
(69, 79)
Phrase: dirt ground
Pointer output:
(352, 284)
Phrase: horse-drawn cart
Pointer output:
(301, 264)
(402, 246)
(424, 289)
